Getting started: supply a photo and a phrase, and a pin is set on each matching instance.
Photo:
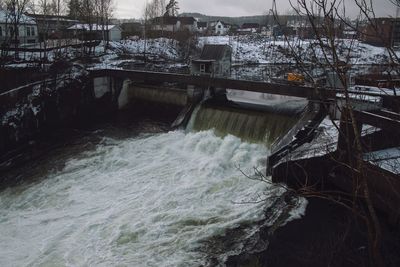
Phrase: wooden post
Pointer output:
(347, 136)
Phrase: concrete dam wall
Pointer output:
(33, 111)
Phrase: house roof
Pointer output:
(250, 25)
(4, 16)
(95, 27)
(165, 20)
(213, 52)
(223, 23)
(201, 24)
(187, 20)
(52, 18)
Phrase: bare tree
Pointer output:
(104, 13)
(44, 8)
(329, 53)
(88, 15)
(15, 11)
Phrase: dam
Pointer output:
(134, 191)
(138, 193)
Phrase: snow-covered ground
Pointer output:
(163, 48)
(388, 159)
(247, 49)
(261, 49)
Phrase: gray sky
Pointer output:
(134, 8)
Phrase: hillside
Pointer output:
(260, 19)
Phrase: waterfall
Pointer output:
(257, 126)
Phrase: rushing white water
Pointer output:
(143, 201)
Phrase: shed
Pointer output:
(111, 32)
(215, 60)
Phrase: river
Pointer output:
(146, 198)
(150, 199)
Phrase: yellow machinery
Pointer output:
(295, 77)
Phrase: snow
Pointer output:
(299, 211)
(374, 89)
(254, 50)
(387, 159)
(264, 50)
(14, 116)
(163, 48)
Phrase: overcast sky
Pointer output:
(134, 8)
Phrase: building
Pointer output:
(215, 60)
(53, 27)
(95, 32)
(188, 23)
(174, 24)
(27, 29)
(219, 27)
(350, 33)
(202, 27)
(168, 24)
(249, 28)
(382, 32)
(279, 30)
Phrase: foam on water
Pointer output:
(143, 201)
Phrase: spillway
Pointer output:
(151, 198)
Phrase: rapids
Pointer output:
(147, 200)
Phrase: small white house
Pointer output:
(27, 29)
(219, 27)
(111, 32)
(215, 60)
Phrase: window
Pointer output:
(219, 26)
(202, 67)
(30, 31)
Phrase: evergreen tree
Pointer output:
(74, 9)
(172, 8)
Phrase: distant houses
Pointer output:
(34, 28)
(202, 27)
(249, 28)
(26, 33)
(219, 27)
(52, 26)
(174, 24)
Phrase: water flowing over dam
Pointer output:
(252, 126)
(149, 198)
